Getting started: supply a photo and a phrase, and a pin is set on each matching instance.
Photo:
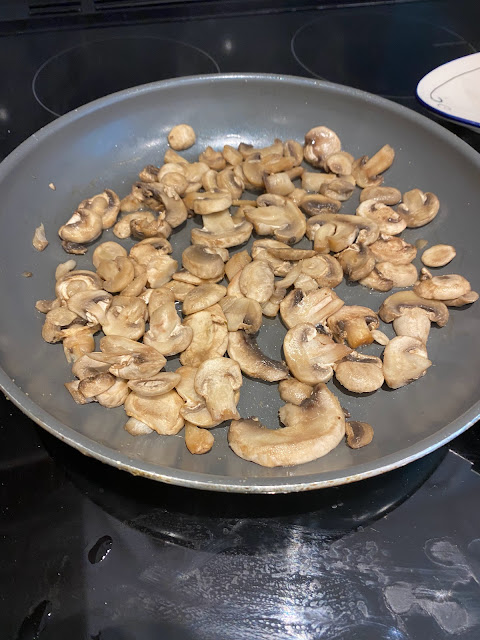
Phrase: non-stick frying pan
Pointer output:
(106, 143)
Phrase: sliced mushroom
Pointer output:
(156, 385)
(439, 255)
(320, 143)
(393, 249)
(389, 221)
(294, 391)
(64, 268)
(181, 136)
(286, 223)
(312, 182)
(217, 380)
(262, 250)
(405, 359)
(375, 280)
(85, 366)
(167, 334)
(272, 306)
(360, 373)
(311, 355)
(195, 410)
(212, 202)
(59, 323)
(243, 348)
(145, 250)
(401, 275)
(221, 230)
(129, 359)
(386, 195)
(44, 306)
(116, 273)
(98, 383)
(137, 427)
(91, 305)
(314, 204)
(257, 281)
(159, 270)
(467, 298)
(197, 440)
(278, 183)
(343, 230)
(126, 317)
(242, 314)
(412, 314)
(419, 208)
(108, 251)
(340, 163)
(115, 396)
(105, 204)
(214, 159)
(123, 228)
(203, 262)
(444, 287)
(75, 281)
(236, 263)
(366, 171)
(84, 226)
(340, 188)
(314, 307)
(359, 434)
(160, 413)
(293, 149)
(202, 297)
(139, 282)
(78, 344)
(179, 289)
(312, 429)
(77, 395)
(357, 261)
(353, 324)
(210, 336)
(40, 241)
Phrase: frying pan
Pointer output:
(105, 144)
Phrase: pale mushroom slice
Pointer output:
(96, 384)
(412, 315)
(262, 250)
(468, 298)
(244, 349)
(85, 366)
(198, 441)
(418, 208)
(242, 314)
(340, 188)
(210, 336)
(202, 297)
(216, 381)
(357, 261)
(286, 223)
(315, 204)
(324, 269)
(342, 231)
(156, 385)
(389, 221)
(305, 283)
(294, 391)
(236, 263)
(108, 251)
(439, 255)
(116, 273)
(314, 307)
(137, 428)
(212, 202)
(40, 241)
(222, 230)
(359, 434)
(257, 281)
(310, 355)
(63, 268)
(405, 359)
(179, 289)
(75, 281)
(194, 410)
(340, 163)
(78, 344)
(445, 287)
(137, 286)
(123, 228)
(166, 332)
(360, 373)
(312, 429)
(278, 183)
(91, 304)
(214, 159)
(160, 413)
(77, 395)
(59, 323)
(320, 143)
(376, 281)
(366, 171)
(393, 249)
(145, 250)
(129, 359)
(353, 324)
(272, 306)
(386, 195)
(115, 396)
(203, 262)
(167, 196)
(401, 275)
(84, 226)
(293, 149)
(126, 317)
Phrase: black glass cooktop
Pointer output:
(91, 553)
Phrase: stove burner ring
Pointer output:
(91, 70)
(378, 52)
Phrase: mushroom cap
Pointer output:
(314, 307)
(419, 208)
(126, 317)
(393, 249)
(243, 348)
(444, 287)
(160, 413)
(405, 359)
(257, 281)
(399, 303)
(320, 143)
(311, 355)
(312, 429)
(438, 255)
(202, 297)
(203, 262)
(156, 385)
(360, 373)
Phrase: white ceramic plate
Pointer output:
(453, 90)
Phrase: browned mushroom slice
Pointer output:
(231, 155)
(359, 434)
(214, 159)
(58, 322)
(126, 317)
(357, 261)
(156, 385)
(444, 287)
(340, 163)
(130, 203)
(116, 273)
(439, 255)
(76, 281)
(236, 263)
(419, 208)
(107, 204)
(203, 262)
(320, 143)
(294, 391)
(341, 188)
(312, 182)
(312, 429)
(129, 359)
(375, 280)
(243, 348)
(347, 230)
(217, 380)
(167, 334)
(202, 297)
(78, 344)
(242, 314)
(181, 136)
(160, 413)
(159, 270)
(360, 373)
(293, 149)
(468, 298)
(405, 359)
(44, 306)
(353, 324)
(401, 275)
(386, 195)
(324, 269)
(98, 383)
(84, 226)
(393, 249)
(195, 410)
(314, 307)
(149, 173)
(311, 355)
(210, 336)
(221, 230)
(278, 183)
(86, 366)
(286, 223)
(145, 250)
(212, 202)
(77, 395)
(123, 228)
(389, 221)
(198, 441)
(257, 281)
(108, 251)
(115, 396)
(411, 314)
(91, 305)
(366, 171)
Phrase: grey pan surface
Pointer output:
(106, 143)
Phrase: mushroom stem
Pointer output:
(413, 322)
(358, 333)
(221, 403)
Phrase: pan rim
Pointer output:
(194, 479)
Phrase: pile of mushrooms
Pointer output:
(134, 296)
